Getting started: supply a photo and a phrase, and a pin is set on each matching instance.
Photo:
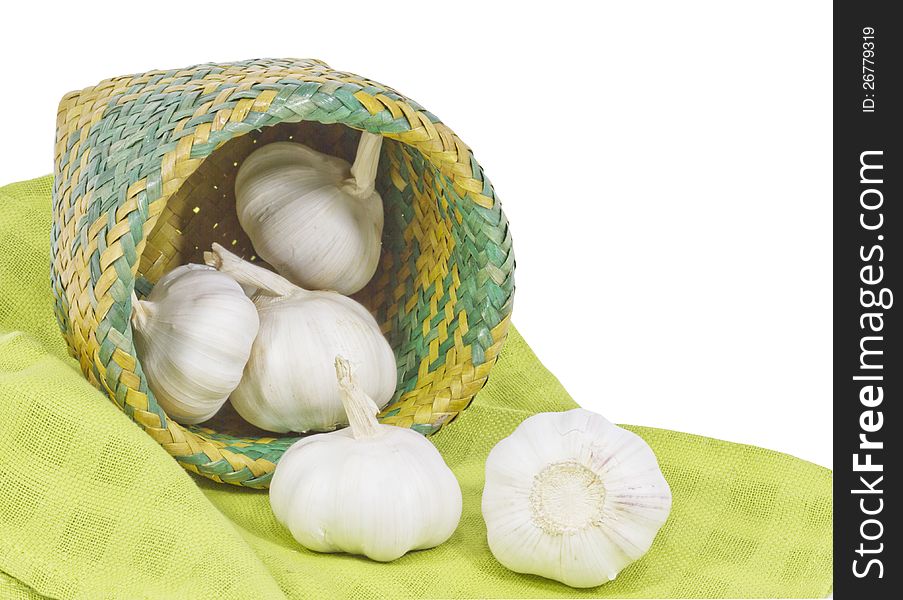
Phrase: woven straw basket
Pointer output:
(144, 174)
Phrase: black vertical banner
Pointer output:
(868, 373)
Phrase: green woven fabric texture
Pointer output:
(91, 507)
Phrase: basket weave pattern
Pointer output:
(135, 195)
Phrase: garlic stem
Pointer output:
(142, 309)
(360, 408)
(366, 162)
(249, 274)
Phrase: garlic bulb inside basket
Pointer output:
(289, 381)
(193, 335)
(314, 217)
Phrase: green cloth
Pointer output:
(91, 507)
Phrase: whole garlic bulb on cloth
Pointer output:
(193, 335)
(572, 497)
(289, 381)
(314, 217)
(371, 489)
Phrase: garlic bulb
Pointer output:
(193, 335)
(289, 381)
(312, 216)
(371, 489)
(572, 497)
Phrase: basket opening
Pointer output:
(202, 211)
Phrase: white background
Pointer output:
(665, 168)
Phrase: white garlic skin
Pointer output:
(371, 489)
(572, 497)
(308, 217)
(193, 335)
(380, 498)
(289, 381)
